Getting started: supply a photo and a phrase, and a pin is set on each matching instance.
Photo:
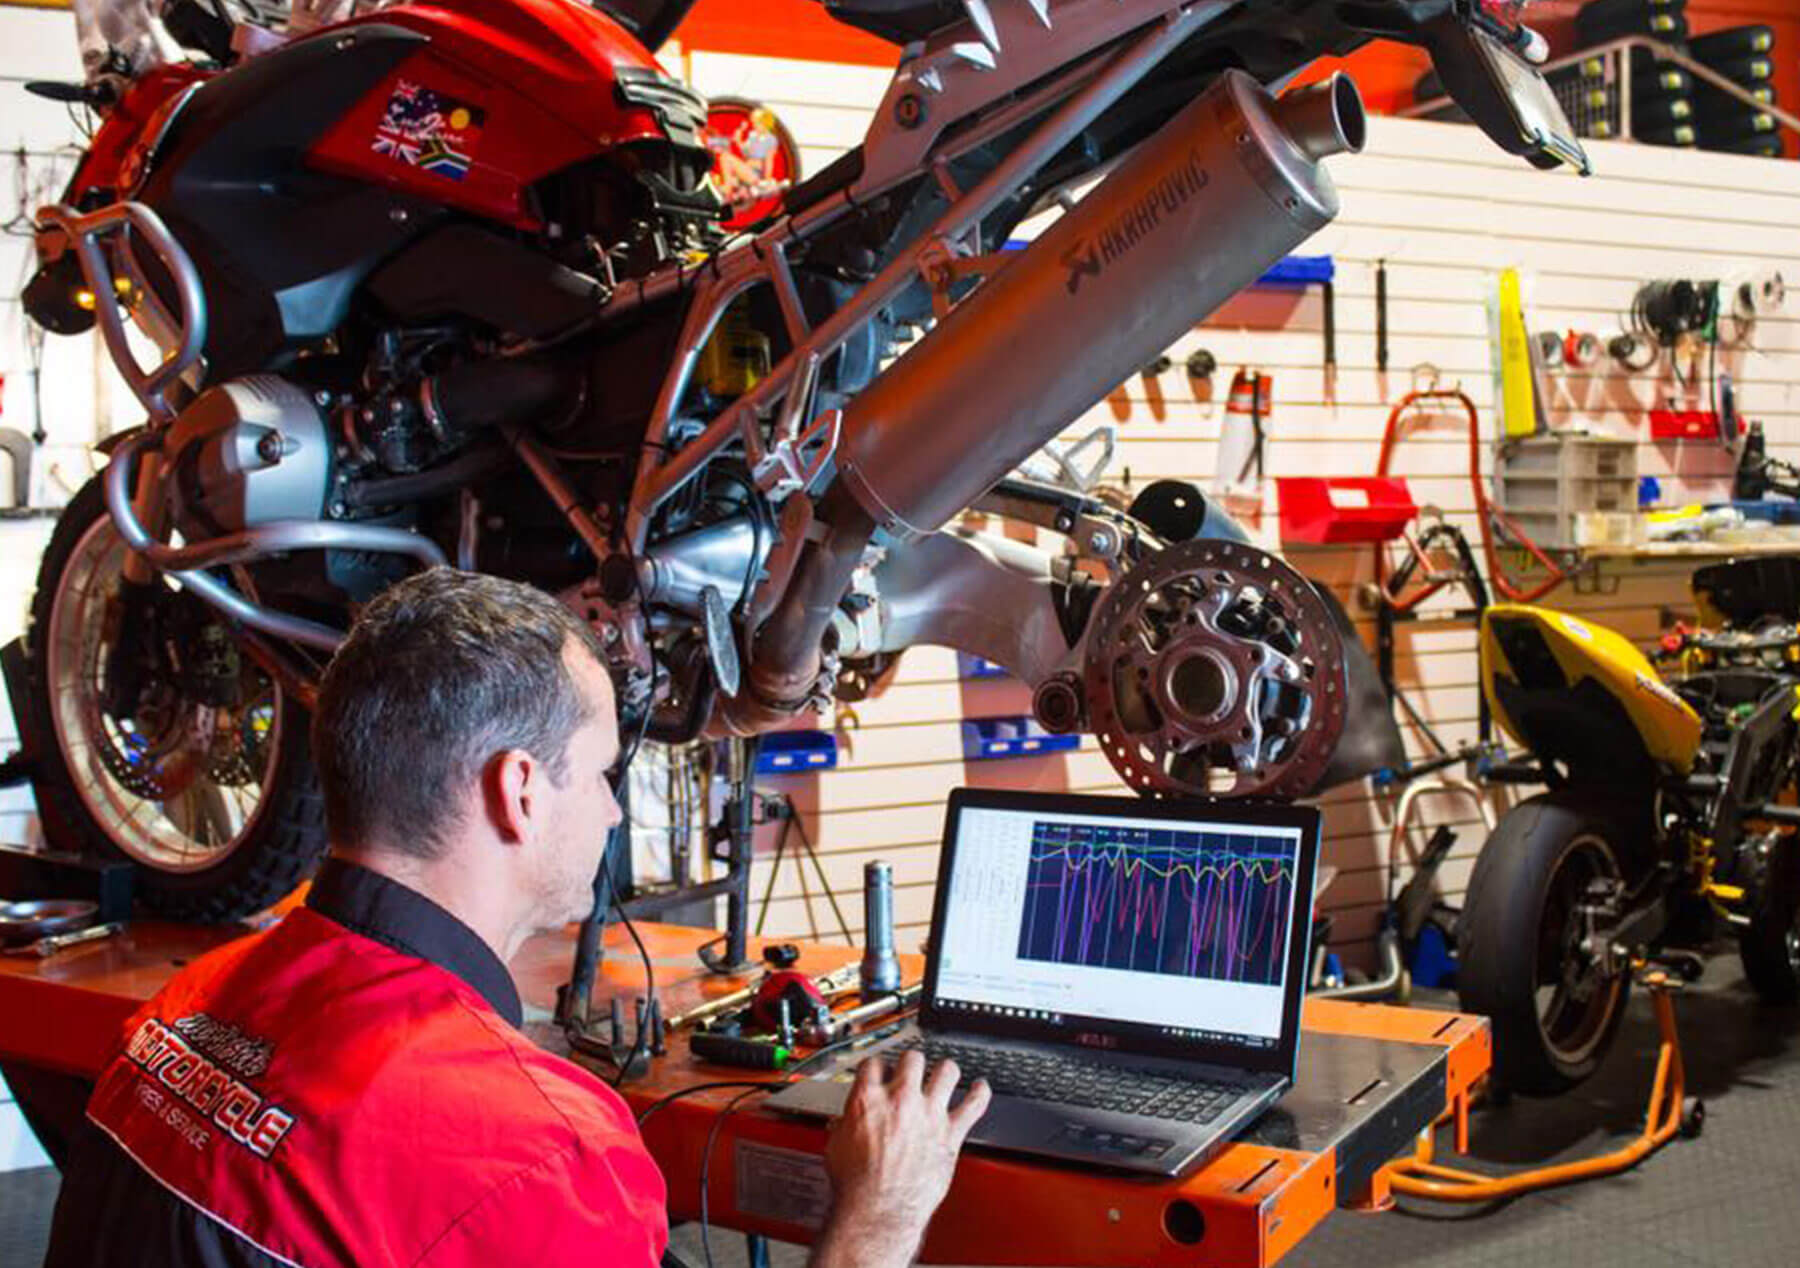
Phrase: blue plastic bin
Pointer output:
(786, 752)
(987, 738)
(968, 666)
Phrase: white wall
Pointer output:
(1447, 211)
(35, 141)
(73, 391)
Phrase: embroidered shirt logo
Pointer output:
(236, 1109)
(244, 1055)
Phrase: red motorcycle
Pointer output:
(447, 283)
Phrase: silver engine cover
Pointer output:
(246, 453)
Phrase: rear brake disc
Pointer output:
(1214, 669)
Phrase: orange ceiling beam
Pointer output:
(1385, 72)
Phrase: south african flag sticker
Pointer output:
(424, 128)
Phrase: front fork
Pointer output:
(130, 616)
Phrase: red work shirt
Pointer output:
(351, 1087)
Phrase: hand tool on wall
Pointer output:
(1632, 353)
(1381, 317)
(1581, 350)
(1328, 290)
(1239, 467)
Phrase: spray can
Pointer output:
(880, 966)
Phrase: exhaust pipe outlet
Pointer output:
(1325, 119)
(1199, 211)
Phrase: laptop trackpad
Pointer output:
(1015, 1124)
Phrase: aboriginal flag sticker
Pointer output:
(424, 128)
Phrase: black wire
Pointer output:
(712, 1137)
(643, 1030)
(578, 1039)
(672, 1097)
(761, 523)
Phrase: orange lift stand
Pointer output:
(1421, 1175)
(1372, 1079)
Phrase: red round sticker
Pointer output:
(754, 159)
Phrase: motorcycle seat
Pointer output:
(896, 21)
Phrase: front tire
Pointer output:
(158, 743)
(1520, 960)
(1770, 946)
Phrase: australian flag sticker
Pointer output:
(429, 129)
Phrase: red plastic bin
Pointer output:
(1326, 510)
(1686, 424)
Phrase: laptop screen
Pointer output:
(1159, 926)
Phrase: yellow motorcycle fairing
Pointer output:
(1580, 693)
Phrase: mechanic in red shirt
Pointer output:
(351, 1087)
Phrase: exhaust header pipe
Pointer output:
(1199, 211)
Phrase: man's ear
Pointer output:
(510, 784)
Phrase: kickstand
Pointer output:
(1668, 1112)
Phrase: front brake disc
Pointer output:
(1214, 669)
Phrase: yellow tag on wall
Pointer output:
(1517, 407)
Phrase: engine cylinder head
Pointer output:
(248, 452)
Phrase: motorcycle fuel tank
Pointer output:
(499, 94)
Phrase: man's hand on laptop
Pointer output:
(891, 1157)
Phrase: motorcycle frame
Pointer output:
(963, 77)
(956, 69)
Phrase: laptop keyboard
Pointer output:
(1062, 1079)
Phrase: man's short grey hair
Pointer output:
(440, 673)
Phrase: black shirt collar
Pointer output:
(377, 907)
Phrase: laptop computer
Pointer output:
(1127, 974)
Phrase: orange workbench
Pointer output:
(1371, 1078)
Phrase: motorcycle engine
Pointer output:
(248, 452)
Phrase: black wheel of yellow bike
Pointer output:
(1770, 946)
(1524, 951)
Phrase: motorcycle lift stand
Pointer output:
(1668, 1112)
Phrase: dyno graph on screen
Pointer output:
(1153, 900)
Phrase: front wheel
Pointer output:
(159, 743)
(1526, 957)
(1770, 945)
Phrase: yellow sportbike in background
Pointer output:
(1667, 821)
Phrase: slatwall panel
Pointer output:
(1446, 211)
(35, 141)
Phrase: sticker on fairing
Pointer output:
(1660, 691)
(427, 129)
